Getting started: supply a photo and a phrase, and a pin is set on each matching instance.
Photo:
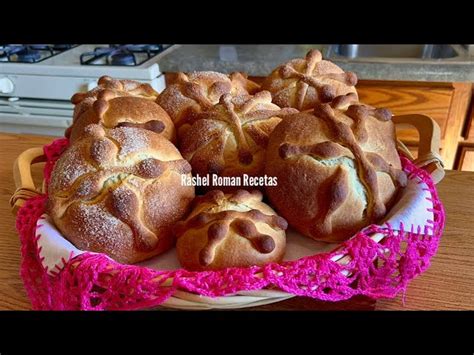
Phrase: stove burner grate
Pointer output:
(30, 53)
(121, 55)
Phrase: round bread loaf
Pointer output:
(303, 82)
(232, 230)
(230, 138)
(338, 169)
(116, 103)
(83, 100)
(195, 92)
(119, 192)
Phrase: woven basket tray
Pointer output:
(186, 295)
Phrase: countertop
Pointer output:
(260, 60)
(447, 285)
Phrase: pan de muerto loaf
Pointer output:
(338, 168)
(115, 103)
(232, 230)
(301, 83)
(195, 92)
(83, 100)
(119, 192)
(230, 138)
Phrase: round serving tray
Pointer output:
(428, 160)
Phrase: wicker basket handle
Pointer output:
(25, 187)
(428, 149)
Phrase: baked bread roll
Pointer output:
(83, 100)
(195, 92)
(338, 169)
(230, 138)
(116, 103)
(233, 230)
(301, 83)
(119, 192)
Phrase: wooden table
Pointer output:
(448, 284)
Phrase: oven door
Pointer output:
(32, 116)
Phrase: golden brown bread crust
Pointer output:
(82, 101)
(119, 192)
(303, 82)
(230, 138)
(196, 92)
(110, 110)
(338, 168)
(120, 102)
(233, 230)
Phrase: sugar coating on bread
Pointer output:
(230, 230)
(338, 168)
(303, 82)
(119, 192)
(230, 139)
(198, 91)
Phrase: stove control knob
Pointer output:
(6, 86)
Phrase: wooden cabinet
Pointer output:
(465, 155)
(447, 103)
(465, 159)
(405, 98)
(468, 132)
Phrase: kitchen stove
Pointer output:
(37, 81)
